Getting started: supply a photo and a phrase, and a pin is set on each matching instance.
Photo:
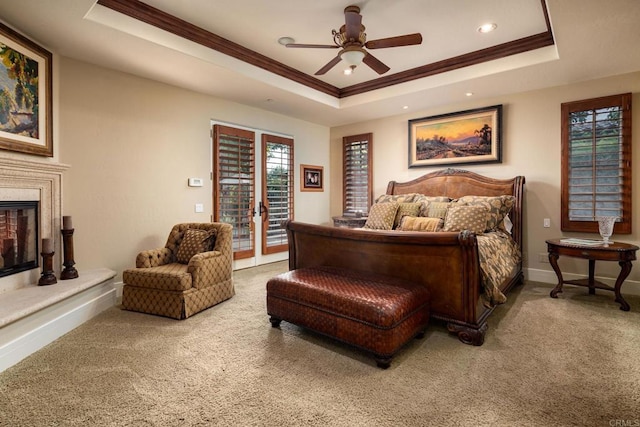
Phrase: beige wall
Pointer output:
(133, 143)
(531, 147)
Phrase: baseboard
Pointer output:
(31, 333)
(630, 287)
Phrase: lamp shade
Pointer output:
(352, 57)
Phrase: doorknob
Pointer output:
(264, 210)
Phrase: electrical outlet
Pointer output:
(543, 257)
(546, 223)
(199, 207)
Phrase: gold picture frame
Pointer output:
(311, 178)
(26, 123)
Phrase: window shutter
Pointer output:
(357, 167)
(234, 176)
(596, 145)
(277, 191)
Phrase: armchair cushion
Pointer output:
(194, 242)
(168, 277)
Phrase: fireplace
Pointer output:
(18, 236)
(24, 180)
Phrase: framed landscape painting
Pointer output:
(25, 95)
(472, 136)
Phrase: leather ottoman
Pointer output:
(375, 313)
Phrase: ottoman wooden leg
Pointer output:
(275, 322)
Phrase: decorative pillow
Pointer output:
(406, 209)
(421, 223)
(381, 216)
(438, 209)
(398, 198)
(497, 206)
(427, 201)
(194, 242)
(472, 218)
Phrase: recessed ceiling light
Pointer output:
(469, 93)
(286, 40)
(347, 71)
(405, 107)
(487, 28)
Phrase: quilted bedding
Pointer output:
(499, 256)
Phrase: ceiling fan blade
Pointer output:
(406, 40)
(329, 66)
(314, 46)
(353, 21)
(375, 64)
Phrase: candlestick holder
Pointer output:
(47, 277)
(69, 271)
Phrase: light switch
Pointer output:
(199, 207)
(546, 223)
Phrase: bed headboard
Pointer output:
(456, 183)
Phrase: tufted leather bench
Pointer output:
(375, 313)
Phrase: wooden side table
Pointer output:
(624, 253)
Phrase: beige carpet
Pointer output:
(567, 361)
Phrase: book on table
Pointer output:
(582, 242)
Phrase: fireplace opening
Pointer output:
(18, 236)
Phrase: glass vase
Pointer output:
(605, 227)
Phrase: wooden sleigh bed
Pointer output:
(446, 262)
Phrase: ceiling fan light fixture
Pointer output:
(352, 57)
(286, 40)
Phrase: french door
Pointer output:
(255, 209)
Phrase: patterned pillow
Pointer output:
(411, 223)
(398, 198)
(427, 201)
(472, 218)
(438, 209)
(381, 216)
(497, 206)
(194, 242)
(406, 209)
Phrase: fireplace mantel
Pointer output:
(34, 180)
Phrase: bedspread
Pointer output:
(499, 255)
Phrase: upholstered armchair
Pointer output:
(191, 273)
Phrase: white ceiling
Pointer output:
(593, 39)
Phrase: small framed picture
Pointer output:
(311, 178)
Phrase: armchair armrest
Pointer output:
(209, 268)
(154, 258)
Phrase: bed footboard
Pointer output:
(444, 262)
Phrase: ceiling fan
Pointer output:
(352, 40)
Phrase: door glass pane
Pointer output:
(235, 181)
(277, 192)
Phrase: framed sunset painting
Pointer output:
(472, 136)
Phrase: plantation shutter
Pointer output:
(234, 184)
(277, 192)
(357, 165)
(596, 163)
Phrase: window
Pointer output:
(357, 173)
(596, 163)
